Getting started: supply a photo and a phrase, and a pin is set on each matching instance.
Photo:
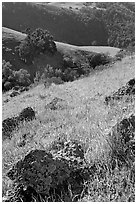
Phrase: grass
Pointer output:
(86, 118)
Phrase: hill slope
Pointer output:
(78, 24)
(82, 115)
(97, 86)
(12, 38)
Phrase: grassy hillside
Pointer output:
(120, 73)
(82, 116)
(11, 39)
(68, 122)
(75, 23)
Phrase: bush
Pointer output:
(98, 59)
(6, 70)
(39, 41)
(11, 78)
(22, 77)
(7, 85)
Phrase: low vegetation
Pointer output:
(97, 167)
(68, 129)
(72, 65)
(11, 78)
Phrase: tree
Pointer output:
(22, 77)
(36, 42)
(6, 69)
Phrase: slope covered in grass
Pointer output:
(81, 115)
(73, 55)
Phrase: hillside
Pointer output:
(75, 23)
(82, 116)
(68, 102)
(12, 38)
(98, 85)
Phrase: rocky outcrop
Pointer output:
(26, 114)
(10, 124)
(14, 93)
(128, 89)
(48, 172)
(56, 103)
(122, 139)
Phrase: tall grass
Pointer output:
(86, 119)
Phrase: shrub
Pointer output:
(6, 70)
(98, 59)
(11, 78)
(7, 85)
(52, 80)
(22, 77)
(36, 42)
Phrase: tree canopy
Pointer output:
(36, 42)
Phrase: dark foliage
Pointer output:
(11, 78)
(36, 42)
(120, 23)
(98, 59)
(112, 24)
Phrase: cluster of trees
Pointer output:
(71, 70)
(11, 78)
(62, 74)
(41, 41)
(36, 42)
(117, 19)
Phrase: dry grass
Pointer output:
(86, 119)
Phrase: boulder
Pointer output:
(16, 88)
(128, 89)
(8, 125)
(122, 138)
(51, 172)
(26, 114)
(24, 89)
(56, 103)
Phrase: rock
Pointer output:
(50, 173)
(6, 100)
(26, 114)
(56, 103)
(24, 89)
(22, 143)
(16, 88)
(14, 93)
(123, 141)
(131, 82)
(128, 89)
(8, 125)
(40, 171)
